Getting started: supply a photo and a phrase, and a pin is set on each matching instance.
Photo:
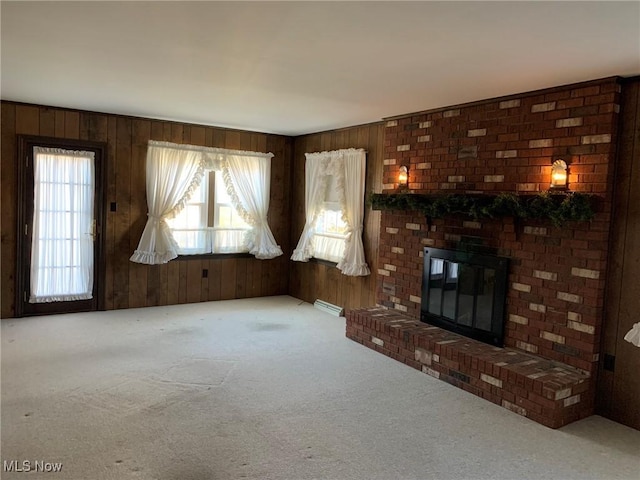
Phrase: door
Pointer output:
(60, 261)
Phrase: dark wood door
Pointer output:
(60, 220)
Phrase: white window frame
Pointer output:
(210, 224)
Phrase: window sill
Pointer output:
(321, 261)
(213, 256)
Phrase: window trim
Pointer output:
(322, 261)
(213, 256)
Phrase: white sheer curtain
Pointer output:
(173, 174)
(248, 178)
(347, 166)
(62, 243)
(354, 164)
(315, 183)
(328, 247)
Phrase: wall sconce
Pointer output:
(559, 175)
(403, 177)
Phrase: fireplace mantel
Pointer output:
(558, 208)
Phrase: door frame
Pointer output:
(25, 204)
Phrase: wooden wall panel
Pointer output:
(72, 125)
(9, 192)
(129, 284)
(215, 279)
(27, 120)
(122, 218)
(140, 134)
(618, 395)
(109, 230)
(173, 283)
(312, 280)
(47, 123)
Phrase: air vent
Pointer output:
(329, 308)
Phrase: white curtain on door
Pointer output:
(348, 166)
(173, 174)
(62, 240)
(248, 178)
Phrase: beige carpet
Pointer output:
(262, 389)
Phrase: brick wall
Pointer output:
(556, 281)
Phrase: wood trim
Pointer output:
(212, 256)
(25, 212)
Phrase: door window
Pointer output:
(63, 225)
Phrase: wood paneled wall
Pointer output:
(618, 395)
(128, 284)
(312, 280)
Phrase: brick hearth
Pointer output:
(548, 392)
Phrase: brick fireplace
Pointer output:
(556, 278)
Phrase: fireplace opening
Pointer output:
(465, 292)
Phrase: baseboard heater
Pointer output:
(329, 308)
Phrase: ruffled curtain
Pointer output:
(354, 164)
(633, 335)
(173, 173)
(315, 182)
(348, 167)
(63, 206)
(247, 179)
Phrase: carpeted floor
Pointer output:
(264, 388)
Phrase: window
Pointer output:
(63, 225)
(209, 223)
(331, 230)
(334, 210)
(187, 189)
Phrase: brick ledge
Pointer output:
(548, 392)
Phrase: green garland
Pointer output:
(556, 208)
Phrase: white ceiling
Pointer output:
(300, 67)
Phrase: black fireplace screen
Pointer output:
(465, 292)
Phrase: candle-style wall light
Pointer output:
(403, 177)
(559, 175)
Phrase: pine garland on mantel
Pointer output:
(558, 208)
